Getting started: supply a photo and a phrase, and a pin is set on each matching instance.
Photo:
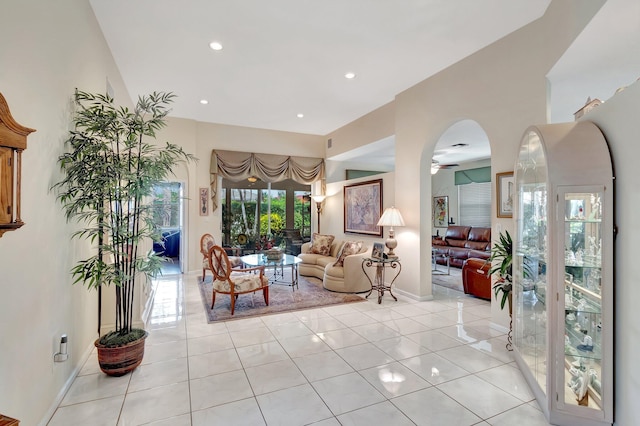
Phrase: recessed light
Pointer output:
(215, 45)
(350, 75)
(300, 115)
(204, 101)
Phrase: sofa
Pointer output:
(346, 278)
(461, 243)
(476, 279)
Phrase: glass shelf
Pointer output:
(562, 272)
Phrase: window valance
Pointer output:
(479, 175)
(237, 166)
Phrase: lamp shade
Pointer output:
(391, 217)
(318, 198)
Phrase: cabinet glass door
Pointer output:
(582, 307)
(530, 258)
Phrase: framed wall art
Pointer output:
(204, 201)
(441, 211)
(363, 207)
(504, 194)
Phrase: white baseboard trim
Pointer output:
(412, 296)
(65, 388)
(499, 327)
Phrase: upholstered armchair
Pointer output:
(206, 242)
(234, 282)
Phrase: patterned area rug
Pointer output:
(282, 298)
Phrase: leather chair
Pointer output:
(476, 279)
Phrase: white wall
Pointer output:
(47, 49)
(618, 120)
(200, 139)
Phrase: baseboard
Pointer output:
(67, 384)
(412, 296)
(499, 327)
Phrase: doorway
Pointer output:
(168, 215)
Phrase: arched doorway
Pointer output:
(461, 194)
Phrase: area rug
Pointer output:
(452, 281)
(282, 298)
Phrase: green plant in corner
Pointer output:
(108, 175)
(502, 253)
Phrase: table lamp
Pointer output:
(391, 217)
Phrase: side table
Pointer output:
(379, 283)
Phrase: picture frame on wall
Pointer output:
(204, 201)
(505, 191)
(363, 207)
(441, 211)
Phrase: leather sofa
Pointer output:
(475, 278)
(348, 278)
(461, 243)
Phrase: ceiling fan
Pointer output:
(435, 166)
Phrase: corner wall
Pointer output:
(47, 50)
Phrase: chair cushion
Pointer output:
(243, 282)
(348, 248)
(321, 244)
(235, 261)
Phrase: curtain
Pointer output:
(237, 166)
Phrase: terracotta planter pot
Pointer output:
(121, 360)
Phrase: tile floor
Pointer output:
(397, 363)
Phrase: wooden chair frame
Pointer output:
(221, 267)
(204, 249)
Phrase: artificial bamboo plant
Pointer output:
(109, 172)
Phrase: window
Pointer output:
(259, 213)
(475, 204)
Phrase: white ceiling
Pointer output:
(284, 57)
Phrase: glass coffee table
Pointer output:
(277, 265)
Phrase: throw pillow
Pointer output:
(321, 244)
(349, 248)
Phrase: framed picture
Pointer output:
(377, 251)
(441, 211)
(363, 207)
(204, 201)
(504, 194)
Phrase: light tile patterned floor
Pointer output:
(397, 363)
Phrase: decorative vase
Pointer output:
(120, 360)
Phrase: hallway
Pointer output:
(398, 363)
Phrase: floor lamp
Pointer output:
(391, 217)
(319, 199)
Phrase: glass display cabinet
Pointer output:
(563, 271)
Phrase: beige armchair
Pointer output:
(206, 242)
(234, 282)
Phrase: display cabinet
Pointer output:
(563, 271)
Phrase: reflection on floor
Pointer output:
(171, 266)
(398, 363)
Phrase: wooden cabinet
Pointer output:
(563, 271)
(8, 421)
(13, 140)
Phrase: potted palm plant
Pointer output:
(108, 176)
(501, 263)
